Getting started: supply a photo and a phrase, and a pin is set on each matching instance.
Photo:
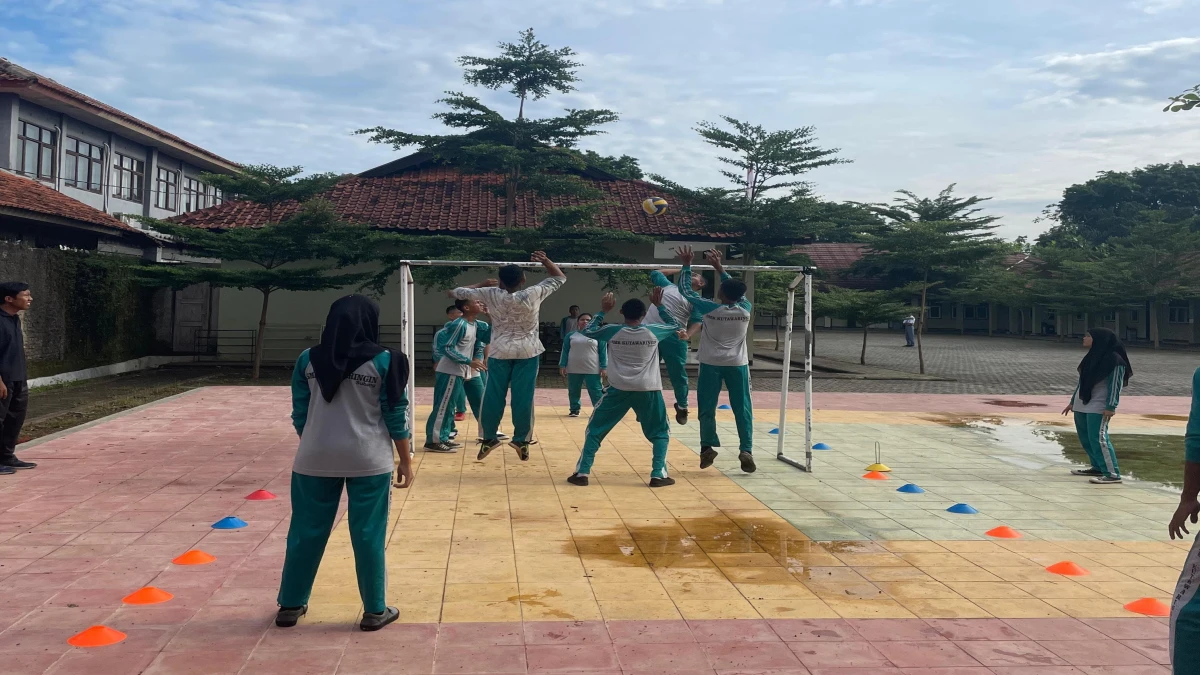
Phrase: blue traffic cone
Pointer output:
(774, 431)
(911, 488)
(821, 446)
(962, 508)
(229, 523)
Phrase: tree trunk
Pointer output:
(1117, 322)
(1155, 331)
(921, 323)
(813, 339)
(991, 319)
(862, 358)
(1012, 320)
(258, 340)
(776, 333)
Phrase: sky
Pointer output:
(1009, 99)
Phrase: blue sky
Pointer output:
(1012, 99)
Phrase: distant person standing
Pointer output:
(14, 389)
(1103, 372)
(568, 324)
(1185, 610)
(910, 331)
(583, 362)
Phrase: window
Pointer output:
(166, 189)
(935, 311)
(1133, 315)
(37, 151)
(128, 177)
(1110, 317)
(975, 311)
(193, 195)
(1177, 312)
(83, 167)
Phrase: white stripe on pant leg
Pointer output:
(1106, 448)
(447, 397)
(1185, 589)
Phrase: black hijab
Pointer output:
(1106, 353)
(351, 338)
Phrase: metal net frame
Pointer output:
(804, 275)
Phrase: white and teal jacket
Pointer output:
(352, 435)
(632, 352)
(582, 355)
(457, 344)
(723, 339)
(1106, 394)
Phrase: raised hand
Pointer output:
(608, 302)
(656, 296)
(685, 253)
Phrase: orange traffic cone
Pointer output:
(1003, 532)
(1149, 607)
(194, 558)
(147, 596)
(96, 636)
(260, 495)
(875, 475)
(1067, 569)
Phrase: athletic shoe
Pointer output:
(747, 461)
(288, 616)
(6, 470)
(522, 450)
(486, 447)
(15, 463)
(501, 437)
(1106, 480)
(454, 444)
(707, 455)
(458, 417)
(371, 622)
(440, 447)
(453, 434)
(662, 482)
(1086, 472)
(577, 479)
(680, 414)
(573, 413)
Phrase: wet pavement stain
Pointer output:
(689, 541)
(1174, 418)
(960, 421)
(1005, 403)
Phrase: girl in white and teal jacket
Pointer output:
(1103, 372)
(583, 361)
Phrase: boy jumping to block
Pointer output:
(461, 360)
(515, 349)
(633, 382)
(674, 308)
(723, 358)
(583, 362)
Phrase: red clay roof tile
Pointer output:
(26, 194)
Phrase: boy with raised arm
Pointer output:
(673, 307)
(723, 358)
(461, 359)
(515, 349)
(633, 382)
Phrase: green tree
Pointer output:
(997, 284)
(858, 307)
(929, 241)
(1156, 263)
(1185, 101)
(624, 167)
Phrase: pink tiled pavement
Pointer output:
(111, 505)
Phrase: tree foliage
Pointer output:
(858, 307)
(1185, 101)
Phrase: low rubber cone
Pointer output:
(875, 475)
(879, 467)
(724, 406)
(96, 636)
(229, 523)
(774, 431)
(260, 496)
(821, 446)
(1003, 532)
(911, 488)
(1149, 607)
(962, 508)
(1067, 569)
(147, 596)
(194, 558)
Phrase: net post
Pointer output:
(786, 376)
(808, 349)
(408, 341)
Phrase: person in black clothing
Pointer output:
(14, 389)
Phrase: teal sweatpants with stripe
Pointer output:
(1185, 616)
(708, 391)
(1093, 436)
(314, 508)
(521, 376)
(445, 389)
(651, 413)
(575, 384)
(460, 400)
(674, 353)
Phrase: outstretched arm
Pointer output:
(659, 278)
(465, 292)
(551, 268)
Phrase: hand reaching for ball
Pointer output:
(608, 302)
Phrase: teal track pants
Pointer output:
(314, 508)
(708, 391)
(651, 413)
(441, 418)
(460, 400)
(575, 384)
(674, 353)
(521, 376)
(1185, 617)
(1093, 436)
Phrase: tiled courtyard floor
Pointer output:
(502, 567)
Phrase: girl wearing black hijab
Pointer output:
(350, 408)
(1102, 374)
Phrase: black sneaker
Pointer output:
(680, 414)
(747, 461)
(440, 447)
(454, 444)
(371, 622)
(6, 470)
(662, 482)
(15, 463)
(573, 413)
(707, 455)
(576, 479)
(501, 437)
(486, 447)
(1106, 480)
(454, 434)
(522, 450)
(288, 616)
(1086, 472)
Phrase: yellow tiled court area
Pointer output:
(505, 540)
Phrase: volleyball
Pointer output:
(654, 206)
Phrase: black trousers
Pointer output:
(12, 418)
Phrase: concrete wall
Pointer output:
(45, 323)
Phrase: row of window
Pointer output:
(1178, 311)
(83, 168)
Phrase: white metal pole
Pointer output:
(787, 372)
(408, 342)
(808, 345)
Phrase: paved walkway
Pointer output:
(502, 567)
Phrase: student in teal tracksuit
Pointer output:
(723, 358)
(673, 307)
(1185, 608)
(460, 395)
(1103, 372)
(461, 360)
(349, 408)
(634, 382)
(583, 362)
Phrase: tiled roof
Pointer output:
(832, 257)
(26, 194)
(12, 75)
(439, 199)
